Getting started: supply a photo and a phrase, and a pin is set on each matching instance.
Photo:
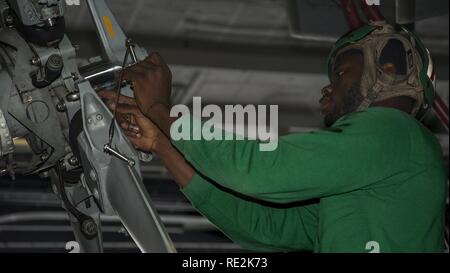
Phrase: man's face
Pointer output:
(343, 95)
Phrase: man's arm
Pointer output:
(249, 224)
(358, 152)
(254, 226)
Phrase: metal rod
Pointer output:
(118, 155)
(130, 44)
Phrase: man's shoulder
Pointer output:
(379, 118)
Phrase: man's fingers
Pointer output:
(128, 109)
(134, 72)
(155, 59)
(128, 126)
(133, 136)
(111, 96)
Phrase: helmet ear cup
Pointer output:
(395, 53)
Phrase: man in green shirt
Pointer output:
(372, 181)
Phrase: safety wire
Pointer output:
(112, 127)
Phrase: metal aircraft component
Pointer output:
(46, 99)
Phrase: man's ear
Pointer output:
(390, 68)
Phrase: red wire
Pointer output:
(351, 14)
(441, 110)
(373, 13)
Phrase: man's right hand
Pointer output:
(146, 136)
(152, 83)
(140, 130)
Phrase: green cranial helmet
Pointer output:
(418, 79)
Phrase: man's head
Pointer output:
(343, 95)
(376, 66)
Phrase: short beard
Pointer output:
(351, 100)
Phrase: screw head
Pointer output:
(36, 61)
(44, 156)
(89, 227)
(55, 189)
(96, 194)
(73, 161)
(9, 20)
(93, 175)
(61, 107)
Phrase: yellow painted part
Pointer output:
(20, 142)
(109, 27)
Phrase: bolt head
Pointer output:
(93, 175)
(73, 161)
(89, 227)
(96, 194)
(55, 189)
(9, 20)
(36, 61)
(61, 107)
(44, 156)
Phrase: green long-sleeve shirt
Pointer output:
(378, 174)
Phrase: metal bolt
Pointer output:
(61, 106)
(4, 172)
(99, 117)
(89, 120)
(73, 97)
(9, 20)
(27, 98)
(74, 77)
(51, 22)
(108, 150)
(55, 189)
(44, 156)
(35, 61)
(96, 194)
(73, 161)
(89, 227)
(93, 175)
